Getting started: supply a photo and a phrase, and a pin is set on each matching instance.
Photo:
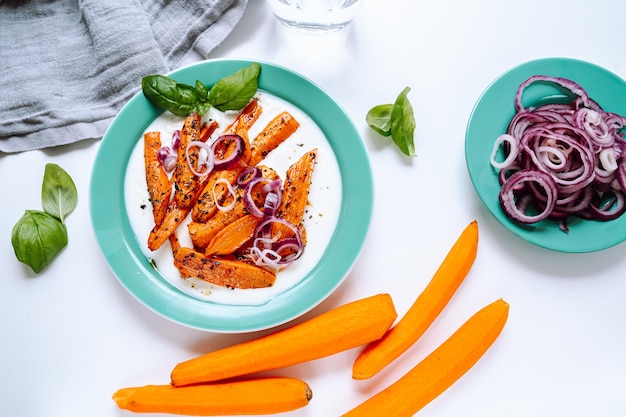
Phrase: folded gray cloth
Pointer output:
(68, 66)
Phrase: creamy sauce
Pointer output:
(320, 216)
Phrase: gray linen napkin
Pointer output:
(68, 66)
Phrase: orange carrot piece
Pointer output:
(250, 397)
(207, 130)
(424, 310)
(223, 272)
(345, 327)
(174, 216)
(296, 191)
(439, 370)
(185, 181)
(233, 236)
(159, 187)
(276, 132)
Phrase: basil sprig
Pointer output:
(396, 120)
(39, 236)
(232, 92)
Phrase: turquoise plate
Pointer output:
(490, 118)
(132, 268)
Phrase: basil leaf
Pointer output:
(58, 192)
(379, 119)
(201, 91)
(403, 123)
(165, 92)
(37, 238)
(234, 91)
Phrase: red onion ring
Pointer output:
(577, 145)
(233, 156)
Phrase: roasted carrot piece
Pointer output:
(276, 132)
(425, 308)
(249, 397)
(185, 181)
(345, 327)
(215, 191)
(223, 272)
(207, 130)
(246, 118)
(296, 191)
(174, 216)
(439, 370)
(158, 182)
(233, 236)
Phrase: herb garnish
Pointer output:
(395, 120)
(232, 92)
(39, 236)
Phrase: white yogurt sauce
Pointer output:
(320, 216)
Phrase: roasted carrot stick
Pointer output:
(224, 272)
(158, 182)
(174, 216)
(233, 236)
(250, 397)
(424, 310)
(439, 370)
(296, 191)
(337, 330)
(276, 132)
(185, 181)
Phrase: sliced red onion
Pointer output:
(578, 145)
(233, 155)
(514, 198)
(206, 159)
(167, 157)
(270, 187)
(275, 253)
(231, 194)
(248, 175)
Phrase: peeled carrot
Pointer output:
(424, 310)
(258, 396)
(337, 330)
(233, 236)
(185, 181)
(439, 370)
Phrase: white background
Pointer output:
(72, 335)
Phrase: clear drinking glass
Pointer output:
(322, 16)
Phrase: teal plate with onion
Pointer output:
(490, 118)
(134, 270)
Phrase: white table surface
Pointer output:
(72, 335)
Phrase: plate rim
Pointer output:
(131, 267)
(554, 66)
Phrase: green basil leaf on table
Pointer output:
(165, 92)
(37, 238)
(403, 123)
(396, 120)
(234, 91)
(379, 119)
(58, 192)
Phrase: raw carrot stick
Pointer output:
(337, 330)
(439, 370)
(159, 187)
(258, 396)
(424, 310)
